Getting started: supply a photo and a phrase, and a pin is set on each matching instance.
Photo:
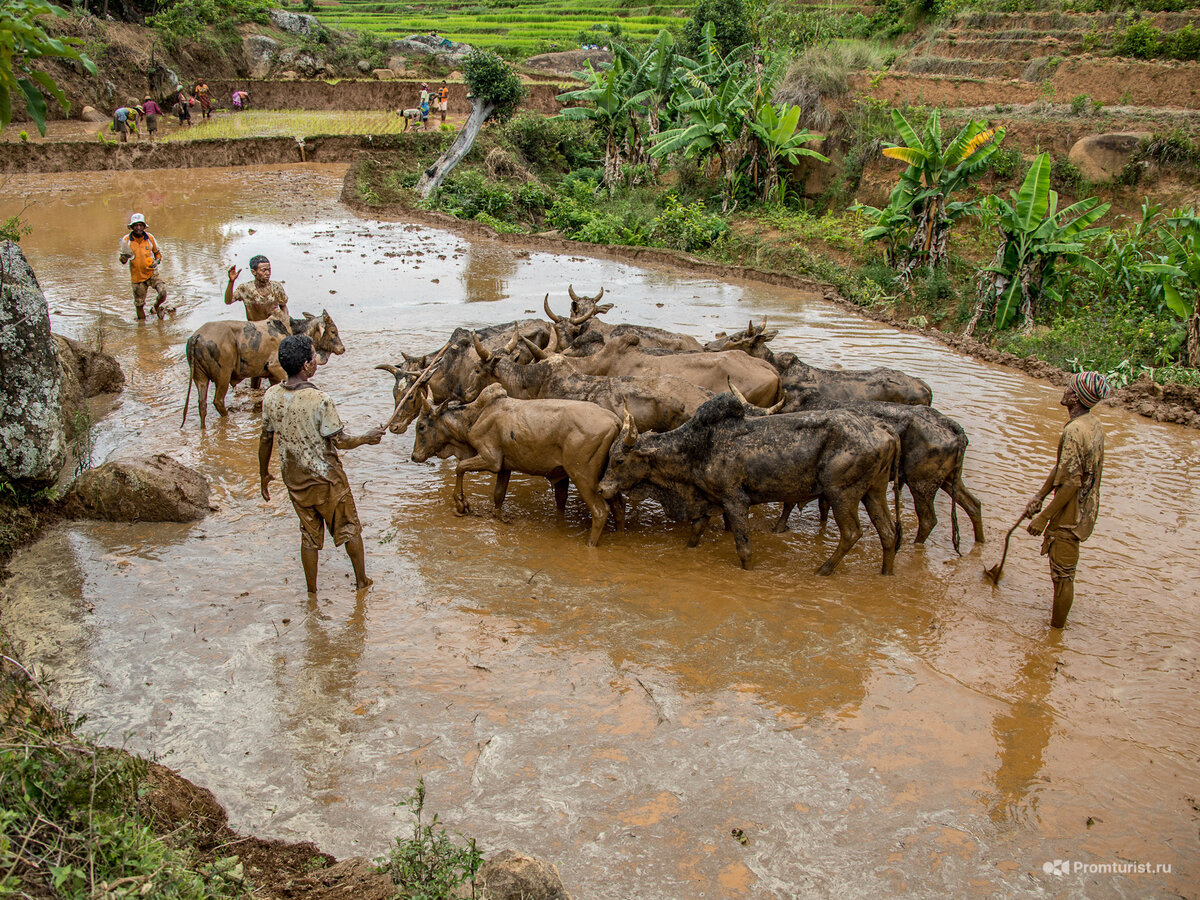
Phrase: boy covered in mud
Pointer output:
(310, 433)
(1075, 480)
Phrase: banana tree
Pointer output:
(1180, 268)
(607, 101)
(778, 139)
(1035, 234)
(934, 173)
(654, 84)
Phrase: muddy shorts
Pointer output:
(339, 517)
(1063, 552)
(141, 287)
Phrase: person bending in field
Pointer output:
(1075, 480)
(310, 433)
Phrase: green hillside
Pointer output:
(514, 28)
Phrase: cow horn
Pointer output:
(741, 397)
(596, 299)
(750, 329)
(778, 405)
(571, 291)
(484, 356)
(538, 353)
(552, 344)
(394, 371)
(515, 341)
(426, 401)
(413, 360)
(630, 428)
(546, 306)
(580, 319)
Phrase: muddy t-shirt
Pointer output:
(304, 421)
(261, 304)
(1080, 461)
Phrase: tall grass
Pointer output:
(822, 73)
(289, 123)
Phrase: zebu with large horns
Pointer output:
(658, 403)
(453, 374)
(583, 333)
(495, 433)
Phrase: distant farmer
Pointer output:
(140, 251)
(183, 108)
(443, 100)
(152, 111)
(424, 105)
(241, 100)
(203, 95)
(125, 118)
(310, 434)
(1075, 480)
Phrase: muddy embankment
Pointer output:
(373, 94)
(1162, 403)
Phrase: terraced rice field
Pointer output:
(526, 29)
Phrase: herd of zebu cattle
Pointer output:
(631, 411)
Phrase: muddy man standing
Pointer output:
(310, 433)
(262, 297)
(1075, 480)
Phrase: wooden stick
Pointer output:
(420, 378)
(993, 574)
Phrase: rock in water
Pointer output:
(141, 489)
(33, 441)
(514, 876)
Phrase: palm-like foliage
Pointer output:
(1180, 267)
(934, 173)
(606, 102)
(1035, 234)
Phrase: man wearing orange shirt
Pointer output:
(140, 251)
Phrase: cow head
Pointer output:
(752, 341)
(412, 407)
(583, 308)
(627, 464)
(484, 371)
(571, 328)
(324, 336)
(443, 430)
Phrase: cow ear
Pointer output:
(324, 314)
(308, 315)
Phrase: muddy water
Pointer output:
(618, 710)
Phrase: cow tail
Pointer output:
(896, 492)
(962, 455)
(191, 379)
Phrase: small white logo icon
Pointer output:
(1059, 867)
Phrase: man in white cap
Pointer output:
(1075, 480)
(140, 251)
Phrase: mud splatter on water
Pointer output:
(653, 719)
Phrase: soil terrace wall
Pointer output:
(83, 156)
(374, 95)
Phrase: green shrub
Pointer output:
(468, 193)
(551, 143)
(533, 197)
(689, 227)
(1006, 163)
(430, 865)
(490, 78)
(730, 18)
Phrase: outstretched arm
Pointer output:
(343, 441)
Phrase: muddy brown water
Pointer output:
(619, 710)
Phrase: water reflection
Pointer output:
(489, 267)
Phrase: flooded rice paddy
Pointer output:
(622, 710)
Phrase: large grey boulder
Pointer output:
(295, 23)
(301, 61)
(33, 441)
(450, 52)
(515, 876)
(141, 489)
(260, 52)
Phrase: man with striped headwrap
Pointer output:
(1075, 480)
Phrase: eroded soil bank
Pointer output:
(621, 710)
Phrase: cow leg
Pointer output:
(220, 389)
(501, 488)
(926, 514)
(698, 526)
(599, 507)
(617, 506)
(737, 520)
(560, 494)
(782, 525)
(845, 513)
(474, 464)
(875, 500)
(973, 508)
(202, 395)
(823, 509)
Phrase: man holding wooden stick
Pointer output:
(1075, 480)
